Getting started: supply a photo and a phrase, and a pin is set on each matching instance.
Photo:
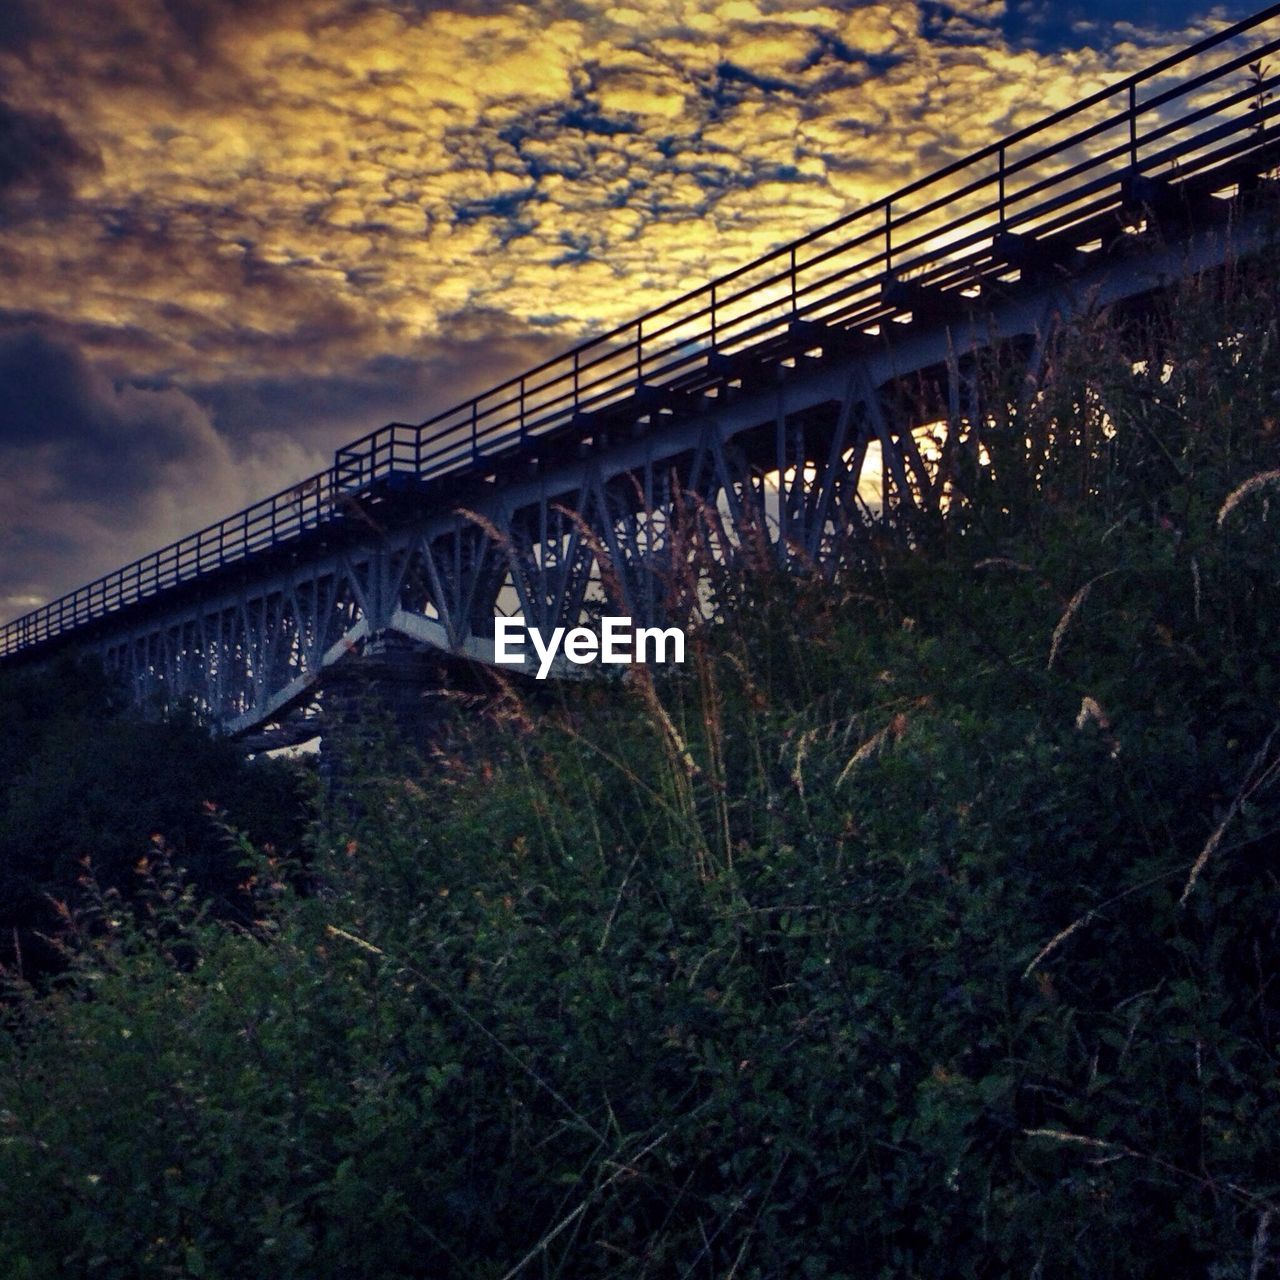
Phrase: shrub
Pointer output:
(921, 926)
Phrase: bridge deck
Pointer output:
(1041, 200)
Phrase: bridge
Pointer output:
(765, 396)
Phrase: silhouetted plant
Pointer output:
(923, 925)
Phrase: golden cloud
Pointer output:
(307, 189)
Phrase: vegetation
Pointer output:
(925, 925)
(85, 787)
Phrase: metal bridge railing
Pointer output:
(1185, 115)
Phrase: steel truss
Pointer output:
(775, 462)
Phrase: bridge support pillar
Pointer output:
(395, 687)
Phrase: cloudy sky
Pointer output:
(234, 233)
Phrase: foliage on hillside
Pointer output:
(924, 926)
(85, 785)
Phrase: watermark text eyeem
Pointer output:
(619, 642)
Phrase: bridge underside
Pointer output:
(794, 456)
(796, 449)
(801, 407)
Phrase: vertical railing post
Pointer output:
(575, 379)
(524, 432)
(1001, 195)
(1133, 124)
(713, 317)
(888, 236)
(475, 431)
(793, 280)
(639, 351)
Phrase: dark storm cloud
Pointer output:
(98, 442)
(20, 25)
(79, 457)
(38, 153)
(197, 21)
(95, 472)
(171, 44)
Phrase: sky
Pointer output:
(236, 233)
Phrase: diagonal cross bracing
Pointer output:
(761, 396)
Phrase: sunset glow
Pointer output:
(236, 234)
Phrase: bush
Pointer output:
(922, 926)
(83, 784)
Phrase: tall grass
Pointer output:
(924, 924)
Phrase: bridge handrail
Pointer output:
(448, 421)
(606, 368)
